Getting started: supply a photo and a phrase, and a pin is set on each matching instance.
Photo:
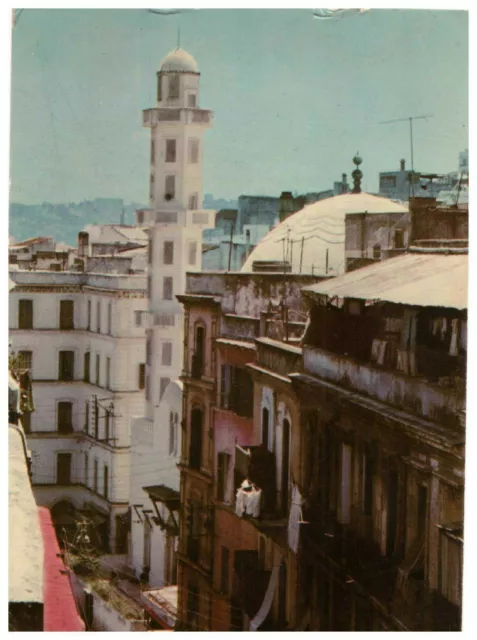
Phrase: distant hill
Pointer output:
(65, 221)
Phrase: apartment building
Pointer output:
(81, 337)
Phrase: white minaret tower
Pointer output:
(175, 217)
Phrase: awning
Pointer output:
(162, 493)
(415, 279)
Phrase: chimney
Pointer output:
(403, 165)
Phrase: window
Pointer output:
(193, 151)
(108, 373)
(192, 252)
(392, 512)
(106, 481)
(65, 417)
(86, 366)
(110, 318)
(166, 358)
(86, 416)
(138, 318)
(149, 286)
(237, 391)
(223, 464)
(25, 359)
(399, 239)
(367, 484)
(191, 100)
(265, 421)
(247, 236)
(224, 575)
(168, 257)
(171, 154)
(173, 424)
(95, 476)
(173, 87)
(25, 314)
(98, 369)
(88, 319)
(345, 497)
(159, 89)
(167, 282)
(151, 186)
(98, 317)
(148, 348)
(63, 468)
(193, 201)
(107, 426)
(163, 382)
(66, 314)
(377, 252)
(198, 359)
(149, 251)
(66, 365)
(142, 376)
(153, 149)
(86, 469)
(195, 451)
(170, 188)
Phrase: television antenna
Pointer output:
(409, 119)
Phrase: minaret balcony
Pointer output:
(152, 117)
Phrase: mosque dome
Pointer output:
(304, 238)
(179, 61)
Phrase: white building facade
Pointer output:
(175, 221)
(82, 336)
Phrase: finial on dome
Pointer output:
(357, 174)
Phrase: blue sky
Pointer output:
(294, 97)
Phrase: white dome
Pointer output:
(322, 225)
(181, 61)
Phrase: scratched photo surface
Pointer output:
(238, 294)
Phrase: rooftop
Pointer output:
(25, 566)
(415, 279)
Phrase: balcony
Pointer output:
(414, 394)
(278, 357)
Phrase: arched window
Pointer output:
(198, 356)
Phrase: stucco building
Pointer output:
(81, 337)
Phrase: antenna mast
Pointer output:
(410, 119)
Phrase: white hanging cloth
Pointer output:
(294, 519)
(267, 601)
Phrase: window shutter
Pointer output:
(25, 314)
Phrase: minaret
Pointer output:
(175, 217)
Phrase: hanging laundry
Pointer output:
(382, 351)
(454, 344)
(248, 500)
(375, 350)
(443, 328)
(267, 601)
(294, 519)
